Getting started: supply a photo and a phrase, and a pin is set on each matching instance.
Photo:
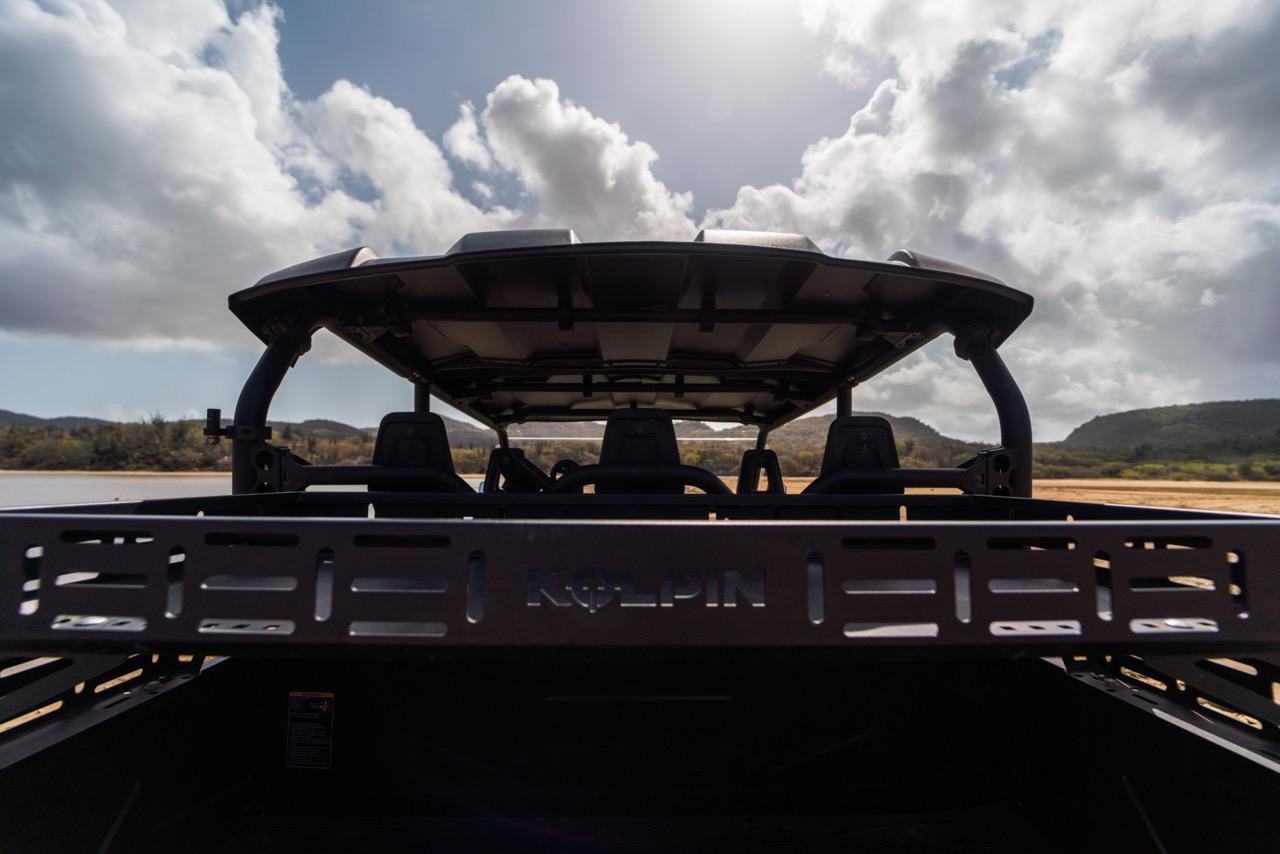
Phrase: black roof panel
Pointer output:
(757, 331)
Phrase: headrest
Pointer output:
(414, 439)
(639, 437)
(860, 443)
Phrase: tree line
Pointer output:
(156, 444)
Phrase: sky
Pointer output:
(1116, 160)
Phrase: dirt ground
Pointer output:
(1237, 496)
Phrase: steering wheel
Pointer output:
(563, 467)
(639, 476)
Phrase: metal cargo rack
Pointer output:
(748, 576)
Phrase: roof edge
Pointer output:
(335, 263)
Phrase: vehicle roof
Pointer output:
(536, 326)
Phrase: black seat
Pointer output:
(856, 443)
(639, 456)
(755, 461)
(640, 438)
(417, 440)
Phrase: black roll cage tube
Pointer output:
(1005, 470)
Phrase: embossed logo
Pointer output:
(594, 588)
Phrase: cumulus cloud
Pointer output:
(1116, 161)
(580, 170)
(463, 141)
(152, 162)
(154, 159)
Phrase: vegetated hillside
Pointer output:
(799, 444)
(814, 427)
(1190, 425)
(29, 442)
(64, 422)
(464, 435)
(320, 427)
(558, 429)
(1246, 448)
(1231, 440)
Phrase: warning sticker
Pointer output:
(310, 735)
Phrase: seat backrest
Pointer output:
(860, 443)
(640, 437)
(414, 440)
(755, 461)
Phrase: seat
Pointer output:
(417, 440)
(639, 456)
(643, 438)
(755, 461)
(856, 443)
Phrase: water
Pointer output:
(34, 488)
(26, 489)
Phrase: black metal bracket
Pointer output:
(47, 699)
(276, 468)
(1228, 701)
(215, 432)
(989, 473)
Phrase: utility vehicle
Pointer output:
(628, 653)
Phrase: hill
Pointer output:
(1237, 440)
(31, 442)
(814, 427)
(799, 444)
(1165, 428)
(63, 422)
(321, 428)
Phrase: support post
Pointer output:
(421, 397)
(255, 400)
(762, 438)
(503, 440)
(1011, 406)
(844, 401)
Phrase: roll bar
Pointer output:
(1011, 407)
(250, 425)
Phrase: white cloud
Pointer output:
(580, 170)
(416, 207)
(463, 140)
(154, 160)
(1065, 149)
